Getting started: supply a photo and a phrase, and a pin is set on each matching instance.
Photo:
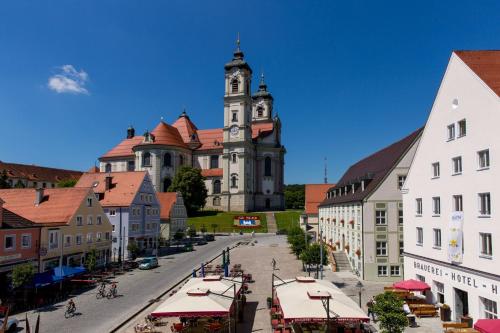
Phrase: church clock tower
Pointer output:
(237, 185)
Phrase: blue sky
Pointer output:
(348, 77)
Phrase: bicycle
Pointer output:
(143, 328)
(113, 291)
(70, 309)
(101, 292)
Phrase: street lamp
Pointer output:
(360, 286)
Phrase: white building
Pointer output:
(450, 199)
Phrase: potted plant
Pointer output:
(351, 222)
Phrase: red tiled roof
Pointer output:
(38, 173)
(185, 127)
(486, 65)
(57, 206)
(262, 129)
(167, 201)
(315, 194)
(374, 168)
(124, 148)
(210, 139)
(12, 220)
(166, 134)
(94, 169)
(124, 186)
(212, 172)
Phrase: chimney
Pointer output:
(130, 132)
(38, 196)
(108, 181)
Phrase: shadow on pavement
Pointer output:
(248, 317)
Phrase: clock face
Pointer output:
(234, 131)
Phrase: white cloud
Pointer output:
(69, 80)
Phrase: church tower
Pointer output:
(262, 108)
(237, 185)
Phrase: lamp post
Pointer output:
(360, 286)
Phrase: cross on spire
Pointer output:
(238, 42)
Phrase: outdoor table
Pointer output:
(463, 330)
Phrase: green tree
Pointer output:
(4, 183)
(67, 183)
(389, 309)
(91, 260)
(296, 239)
(190, 183)
(192, 231)
(19, 184)
(134, 249)
(295, 196)
(214, 227)
(22, 275)
(203, 229)
(312, 256)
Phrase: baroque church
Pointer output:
(243, 162)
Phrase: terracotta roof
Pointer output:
(38, 173)
(185, 127)
(94, 169)
(486, 65)
(124, 148)
(262, 129)
(210, 139)
(57, 206)
(165, 134)
(315, 194)
(167, 201)
(124, 186)
(373, 169)
(212, 172)
(11, 220)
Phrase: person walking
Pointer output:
(370, 305)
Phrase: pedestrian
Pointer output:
(370, 305)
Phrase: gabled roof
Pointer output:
(315, 194)
(124, 148)
(210, 138)
(185, 127)
(373, 169)
(11, 220)
(124, 186)
(38, 173)
(212, 172)
(486, 65)
(167, 201)
(58, 204)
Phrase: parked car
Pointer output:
(201, 242)
(12, 324)
(148, 263)
(209, 238)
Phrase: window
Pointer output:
(418, 204)
(78, 239)
(89, 237)
(483, 157)
(381, 248)
(112, 212)
(436, 205)
(235, 116)
(457, 203)
(98, 236)
(113, 227)
(401, 248)
(462, 128)
(167, 160)
(439, 288)
(26, 241)
(67, 240)
(400, 214)
(216, 187)
(437, 237)
(214, 161)
(420, 236)
(234, 182)
(401, 181)
(107, 236)
(131, 166)
(451, 132)
(79, 220)
(89, 202)
(90, 220)
(490, 308)
(267, 166)
(10, 242)
(486, 246)
(53, 239)
(395, 271)
(98, 220)
(484, 204)
(380, 217)
(107, 168)
(382, 270)
(216, 201)
(146, 159)
(435, 170)
(260, 111)
(457, 165)
(234, 86)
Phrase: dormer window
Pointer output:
(234, 86)
(107, 168)
(146, 159)
(260, 111)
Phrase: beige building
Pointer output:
(24, 175)
(314, 195)
(173, 216)
(72, 223)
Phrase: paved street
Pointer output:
(135, 289)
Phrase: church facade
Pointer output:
(242, 162)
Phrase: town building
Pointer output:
(130, 203)
(451, 194)
(72, 224)
(34, 176)
(243, 161)
(361, 217)
(314, 195)
(173, 214)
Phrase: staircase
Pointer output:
(341, 261)
(271, 223)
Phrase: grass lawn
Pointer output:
(288, 219)
(224, 221)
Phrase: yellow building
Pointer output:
(72, 223)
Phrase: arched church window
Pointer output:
(234, 181)
(166, 184)
(167, 160)
(234, 86)
(216, 189)
(146, 159)
(267, 166)
(260, 111)
(234, 158)
(107, 168)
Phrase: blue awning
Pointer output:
(43, 279)
(56, 275)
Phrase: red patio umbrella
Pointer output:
(411, 285)
(487, 325)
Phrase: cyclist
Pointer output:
(112, 290)
(70, 309)
(101, 292)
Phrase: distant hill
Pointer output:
(295, 196)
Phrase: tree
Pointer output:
(296, 239)
(19, 184)
(389, 309)
(192, 231)
(178, 235)
(203, 229)
(134, 249)
(67, 183)
(91, 260)
(191, 184)
(214, 227)
(312, 256)
(295, 196)
(4, 180)
(22, 275)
